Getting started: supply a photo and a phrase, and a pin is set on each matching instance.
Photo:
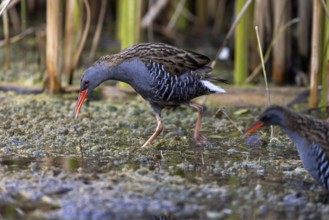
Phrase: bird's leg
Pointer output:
(157, 131)
(199, 139)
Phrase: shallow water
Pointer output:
(53, 166)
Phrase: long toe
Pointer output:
(202, 140)
(147, 144)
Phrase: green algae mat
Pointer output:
(55, 167)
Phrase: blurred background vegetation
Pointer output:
(49, 43)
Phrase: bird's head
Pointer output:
(273, 115)
(91, 78)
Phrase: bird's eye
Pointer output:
(265, 118)
(86, 83)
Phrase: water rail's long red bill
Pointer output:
(82, 97)
(253, 128)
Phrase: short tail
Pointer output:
(212, 87)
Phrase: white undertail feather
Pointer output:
(213, 87)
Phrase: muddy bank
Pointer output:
(53, 166)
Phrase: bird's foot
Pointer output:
(201, 140)
(147, 144)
